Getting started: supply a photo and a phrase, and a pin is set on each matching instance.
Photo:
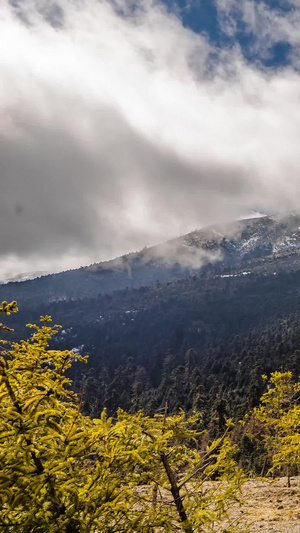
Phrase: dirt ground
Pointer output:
(270, 506)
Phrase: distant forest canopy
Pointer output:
(198, 344)
(197, 341)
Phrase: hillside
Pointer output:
(199, 341)
(256, 245)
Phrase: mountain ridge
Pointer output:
(254, 244)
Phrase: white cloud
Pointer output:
(119, 130)
(268, 25)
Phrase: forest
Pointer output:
(201, 343)
(65, 467)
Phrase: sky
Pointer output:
(124, 123)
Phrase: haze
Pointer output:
(121, 128)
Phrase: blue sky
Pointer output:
(124, 123)
(205, 16)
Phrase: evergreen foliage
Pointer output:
(65, 472)
(279, 416)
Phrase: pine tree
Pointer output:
(279, 415)
(65, 472)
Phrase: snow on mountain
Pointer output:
(262, 245)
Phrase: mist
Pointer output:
(121, 129)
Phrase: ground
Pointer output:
(270, 506)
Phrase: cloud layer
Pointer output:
(121, 128)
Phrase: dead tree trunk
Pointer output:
(175, 490)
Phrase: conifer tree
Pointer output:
(64, 472)
(279, 415)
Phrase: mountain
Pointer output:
(254, 245)
(24, 276)
(194, 322)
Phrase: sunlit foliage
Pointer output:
(279, 415)
(65, 472)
